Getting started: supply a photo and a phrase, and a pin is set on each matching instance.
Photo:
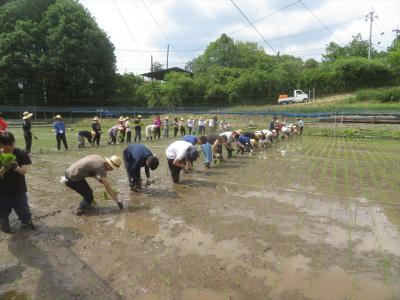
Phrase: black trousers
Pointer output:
(157, 132)
(183, 131)
(176, 131)
(28, 142)
(17, 202)
(61, 137)
(175, 170)
(83, 189)
(96, 139)
(138, 133)
(128, 136)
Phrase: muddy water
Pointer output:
(277, 224)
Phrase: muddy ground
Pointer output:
(309, 218)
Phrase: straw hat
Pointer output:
(182, 119)
(95, 119)
(121, 119)
(114, 161)
(239, 131)
(166, 118)
(58, 117)
(139, 116)
(26, 115)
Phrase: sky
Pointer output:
(140, 29)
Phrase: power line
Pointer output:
(319, 20)
(129, 29)
(252, 25)
(266, 16)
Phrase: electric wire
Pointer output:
(252, 25)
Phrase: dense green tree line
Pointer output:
(52, 52)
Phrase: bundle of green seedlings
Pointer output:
(7, 161)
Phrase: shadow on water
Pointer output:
(63, 274)
(11, 274)
(161, 193)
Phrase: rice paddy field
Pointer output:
(311, 217)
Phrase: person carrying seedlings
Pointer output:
(182, 126)
(85, 134)
(137, 123)
(207, 151)
(176, 126)
(137, 156)
(127, 125)
(166, 127)
(112, 135)
(91, 166)
(179, 155)
(26, 128)
(3, 124)
(157, 132)
(190, 138)
(13, 190)
(59, 130)
(300, 123)
(96, 128)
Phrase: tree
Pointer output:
(55, 51)
(157, 66)
(311, 64)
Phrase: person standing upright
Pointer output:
(128, 130)
(138, 128)
(59, 130)
(182, 126)
(300, 123)
(157, 122)
(166, 127)
(176, 127)
(26, 127)
(189, 125)
(3, 124)
(97, 131)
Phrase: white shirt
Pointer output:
(190, 123)
(228, 135)
(202, 123)
(211, 122)
(128, 126)
(177, 150)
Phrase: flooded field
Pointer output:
(308, 218)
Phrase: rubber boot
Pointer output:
(28, 225)
(5, 226)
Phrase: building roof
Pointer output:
(159, 75)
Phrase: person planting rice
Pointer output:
(227, 145)
(243, 144)
(59, 130)
(91, 166)
(112, 135)
(216, 143)
(190, 138)
(96, 128)
(138, 128)
(151, 132)
(13, 190)
(27, 129)
(137, 156)
(207, 151)
(85, 134)
(180, 154)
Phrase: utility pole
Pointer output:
(167, 55)
(370, 16)
(397, 31)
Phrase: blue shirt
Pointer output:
(190, 139)
(207, 152)
(135, 156)
(59, 127)
(243, 140)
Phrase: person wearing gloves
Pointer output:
(26, 128)
(59, 130)
(13, 189)
(137, 156)
(91, 166)
(180, 154)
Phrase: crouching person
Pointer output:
(137, 156)
(13, 189)
(85, 134)
(180, 154)
(91, 166)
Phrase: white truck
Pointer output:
(298, 97)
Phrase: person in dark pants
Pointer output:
(59, 129)
(157, 122)
(96, 127)
(243, 144)
(138, 128)
(182, 126)
(176, 127)
(91, 166)
(179, 155)
(137, 156)
(13, 189)
(85, 134)
(26, 127)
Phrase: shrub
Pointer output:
(382, 95)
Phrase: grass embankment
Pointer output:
(363, 101)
